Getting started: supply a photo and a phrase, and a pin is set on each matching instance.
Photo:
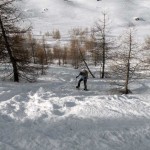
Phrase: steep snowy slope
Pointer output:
(52, 115)
(47, 15)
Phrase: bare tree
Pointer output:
(56, 34)
(74, 53)
(40, 55)
(126, 60)
(79, 38)
(102, 30)
(14, 48)
(32, 43)
(50, 56)
(91, 47)
(5, 12)
(45, 49)
(64, 55)
(146, 56)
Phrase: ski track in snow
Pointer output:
(52, 115)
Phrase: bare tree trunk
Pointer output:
(101, 31)
(103, 64)
(128, 66)
(44, 48)
(86, 63)
(127, 79)
(33, 43)
(12, 59)
(104, 48)
(33, 53)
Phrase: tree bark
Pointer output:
(104, 48)
(12, 59)
(128, 66)
(44, 48)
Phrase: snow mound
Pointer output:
(52, 115)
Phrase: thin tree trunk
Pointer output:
(86, 63)
(104, 50)
(127, 79)
(33, 52)
(12, 59)
(128, 67)
(45, 51)
(103, 64)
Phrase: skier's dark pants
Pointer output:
(85, 83)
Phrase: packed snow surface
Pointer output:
(52, 115)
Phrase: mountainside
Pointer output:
(51, 114)
(47, 15)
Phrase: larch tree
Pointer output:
(127, 61)
(101, 31)
(7, 14)
(78, 47)
(146, 56)
(13, 41)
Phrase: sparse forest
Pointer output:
(27, 57)
(74, 75)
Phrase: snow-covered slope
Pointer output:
(52, 115)
(47, 15)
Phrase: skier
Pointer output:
(84, 76)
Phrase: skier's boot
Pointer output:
(77, 87)
(85, 89)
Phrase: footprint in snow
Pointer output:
(58, 113)
(57, 109)
(55, 106)
(70, 104)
